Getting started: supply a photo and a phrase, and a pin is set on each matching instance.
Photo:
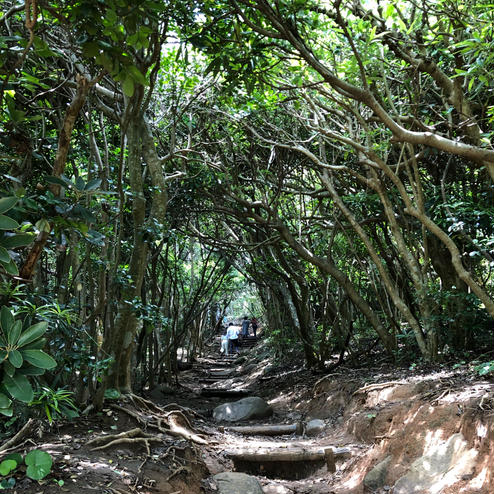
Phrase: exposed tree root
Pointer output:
(174, 422)
(374, 387)
(26, 430)
(134, 436)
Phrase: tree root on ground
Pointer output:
(134, 436)
(148, 415)
(13, 442)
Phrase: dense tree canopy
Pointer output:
(327, 164)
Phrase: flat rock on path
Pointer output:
(237, 483)
(252, 407)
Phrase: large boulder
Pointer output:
(443, 465)
(237, 483)
(376, 478)
(314, 427)
(252, 407)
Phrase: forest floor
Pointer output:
(382, 415)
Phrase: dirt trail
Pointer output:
(385, 418)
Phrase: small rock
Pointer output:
(314, 427)
(276, 489)
(237, 483)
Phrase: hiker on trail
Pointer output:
(245, 327)
(232, 336)
(224, 344)
(255, 324)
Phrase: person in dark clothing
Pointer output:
(245, 327)
(255, 324)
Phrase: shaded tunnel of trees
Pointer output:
(329, 164)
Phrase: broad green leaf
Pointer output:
(6, 319)
(4, 255)
(35, 345)
(8, 412)
(7, 203)
(17, 457)
(136, 75)
(43, 225)
(17, 240)
(80, 184)
(8, 368)
(14, 332)
(128, 86)
(30, 370)
(15, 358)
(56, 181)
(19, 387)
(5, 401)
(7, 223)
(38, 358)
(38, 464)
(7, 466)
(11, 268)
(32, 333)
(93, 184)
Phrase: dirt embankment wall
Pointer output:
(426, 435)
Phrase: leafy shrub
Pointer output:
(55, 403)
(10, 240)
(20, 357)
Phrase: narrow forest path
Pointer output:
(378, 429)
(284, 452)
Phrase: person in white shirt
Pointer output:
(232, 335)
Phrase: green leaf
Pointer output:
(136, 75)
(43, 225)
(7, 203)
(30, 370)
(38, 463)
(38, 358)
(11, 268)
(15, 358)
(34, 345)
(7, 223)
(19, 387)
(8, 368)
(7, 466)
(14, 456)
(5, 401)
(7, 483)
(14, 332)
(128, 88)
(4, 255)
(57, 181)
(8, 412)
(80, 184)
(17, 240)
(32, 333)
(6, 319)
(93, 184)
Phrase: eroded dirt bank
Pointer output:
(400, 432)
